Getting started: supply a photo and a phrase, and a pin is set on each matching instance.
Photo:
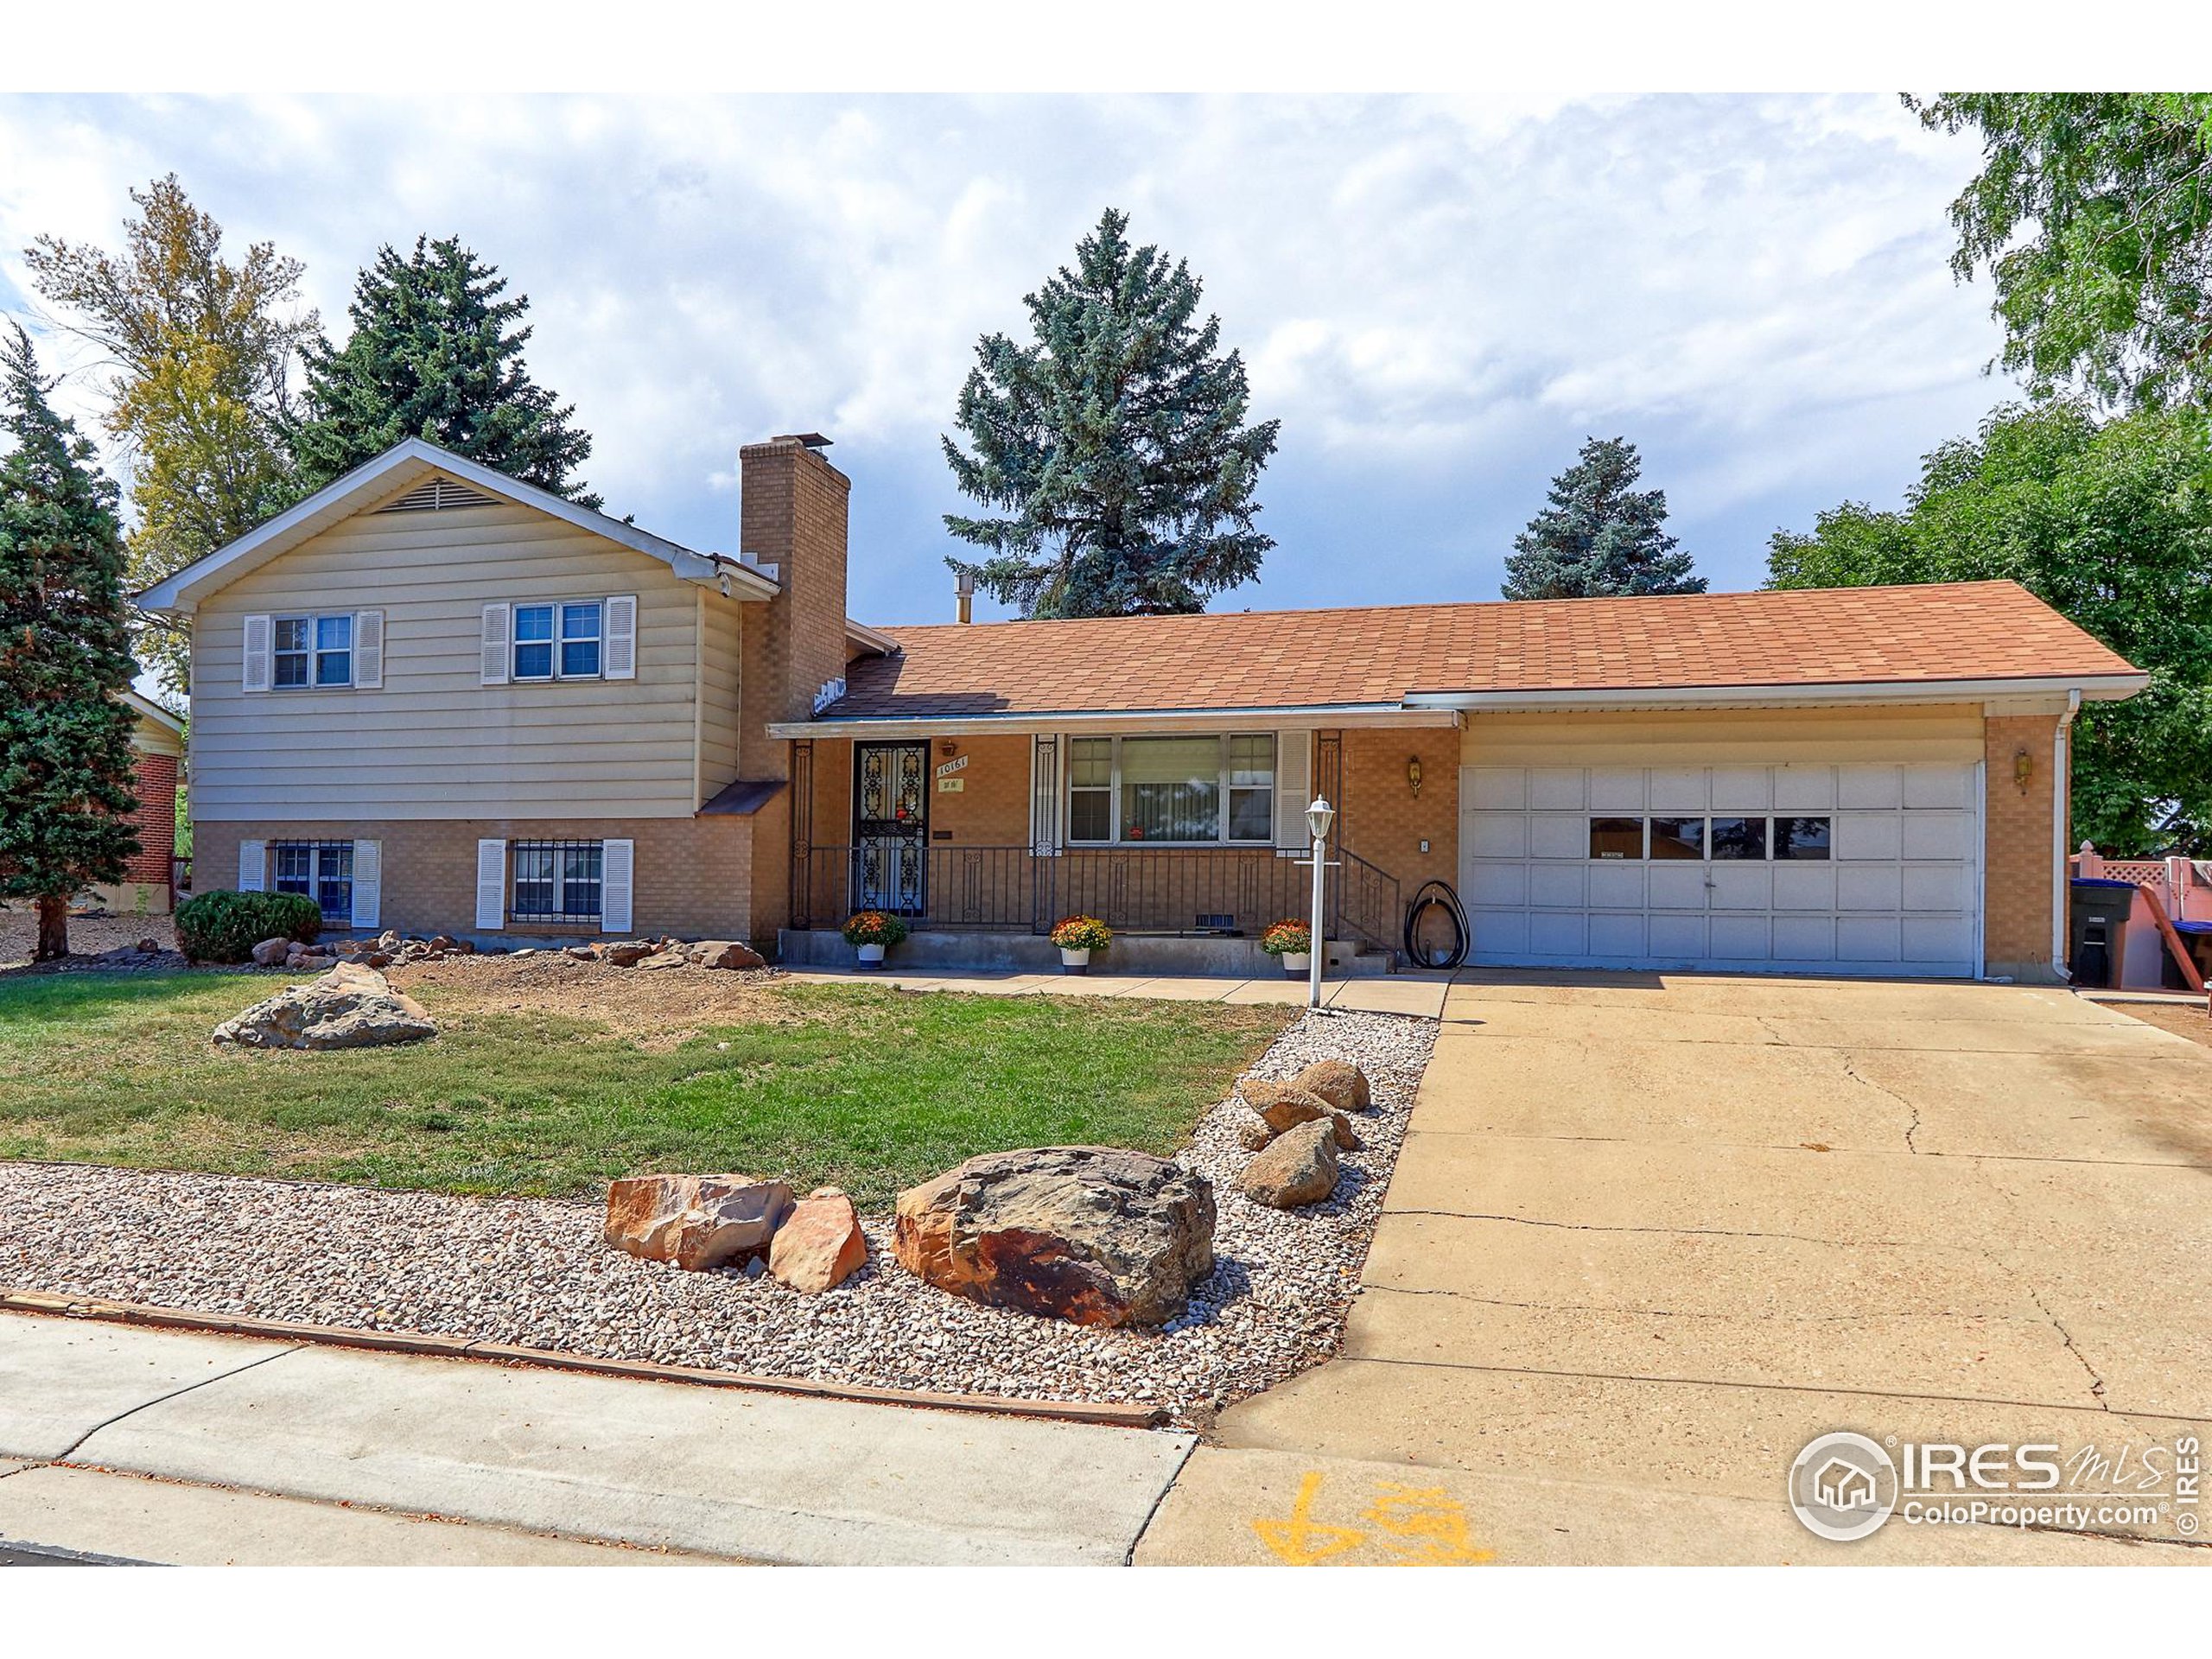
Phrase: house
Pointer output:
(149, 884)
(438, 698)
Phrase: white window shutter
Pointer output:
(495, 645)
(1293, 781)
(260, 637)
(368, 882)
(368, 650)
(618, 650)
(253, 866)
(617, 881)
(490, 885)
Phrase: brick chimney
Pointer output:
(792, 515)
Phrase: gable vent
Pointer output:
(439, 493)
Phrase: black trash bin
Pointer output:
(2097, 924)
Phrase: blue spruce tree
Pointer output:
(1600, 538)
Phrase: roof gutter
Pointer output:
(2093, 686)
(1292, 717)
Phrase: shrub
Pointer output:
(225, 926)
(874, 927)
(1083, 933)
(1288, 938)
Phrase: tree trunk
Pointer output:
(52, 927)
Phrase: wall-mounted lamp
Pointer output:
(1413, 773)
(948, 747)
(2023, 767)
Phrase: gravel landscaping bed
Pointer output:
(534, 1271)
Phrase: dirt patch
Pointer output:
(2182, 1018)
(88, 935)
(660, 1008)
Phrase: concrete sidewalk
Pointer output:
(1420, 994)
(170, 1446)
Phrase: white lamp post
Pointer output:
(1318, 817)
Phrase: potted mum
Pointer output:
(873, 931)
(1292, 944)
(1078, 937)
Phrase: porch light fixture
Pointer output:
(1413, 773)
(1319, 817)
(2023, 767)
(948, 747)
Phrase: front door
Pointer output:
(891, 834)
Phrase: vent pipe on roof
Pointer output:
(964, 587)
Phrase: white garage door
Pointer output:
(1835, 869)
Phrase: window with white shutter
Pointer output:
(253, 866)
(368, 882)
(368, 650)
(490, 885)
(1293, 781)
(617, 872)
(258, 633)
(495, 644)
(620, 662)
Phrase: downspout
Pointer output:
(2060, 890)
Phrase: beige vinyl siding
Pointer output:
(1725, 737)
(436, 742)
(718, 621)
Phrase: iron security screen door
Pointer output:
(890, 834)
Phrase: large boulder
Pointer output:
(270, 953)
(1340, 1082)
(725, 953)
(1091, 1233)
(628, 953)
(350, 1007)
(1293, 1106)
(695, 1221)
(820, 1243)
(1299, 1167)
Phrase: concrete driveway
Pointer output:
(1651, 1234)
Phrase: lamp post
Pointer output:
(1318, 817)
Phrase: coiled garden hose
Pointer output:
(1436, 895)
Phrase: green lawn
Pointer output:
(863, 1087)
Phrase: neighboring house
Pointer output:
(438, 698)
(149, 884)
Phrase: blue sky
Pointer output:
(1439, 300)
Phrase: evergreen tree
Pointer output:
(1115, 445)
(64, 732)
(1599, 538)
(434, 353)
(203, 349)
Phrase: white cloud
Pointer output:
(1439, 299)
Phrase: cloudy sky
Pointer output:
(1439, 299)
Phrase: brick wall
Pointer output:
(2017, 847)
(154, 778)
(1384, 821)
(690, 873)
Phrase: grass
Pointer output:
(865, 1088)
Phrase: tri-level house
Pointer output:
(438, 699)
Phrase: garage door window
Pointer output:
(1803, 838)
(1729, 838)
(1617, 837)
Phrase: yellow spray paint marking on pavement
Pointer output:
(1421, 1526)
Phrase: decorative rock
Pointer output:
(311, 962)
(1299, 1167)
(695, 1221)
(726, 953)
(582, 952)
(1340, 1082)
(821, 1243)
(347, 1007)
(1093, 1235)
(1260, 1093)
(1253, 1132)
(270, 953)
(147, 947)
(627, 954)
(666, 959)
(1291, 1106)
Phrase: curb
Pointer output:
(54, 1306)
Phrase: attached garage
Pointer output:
(1841, 869)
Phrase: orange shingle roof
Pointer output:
(1955, 631)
